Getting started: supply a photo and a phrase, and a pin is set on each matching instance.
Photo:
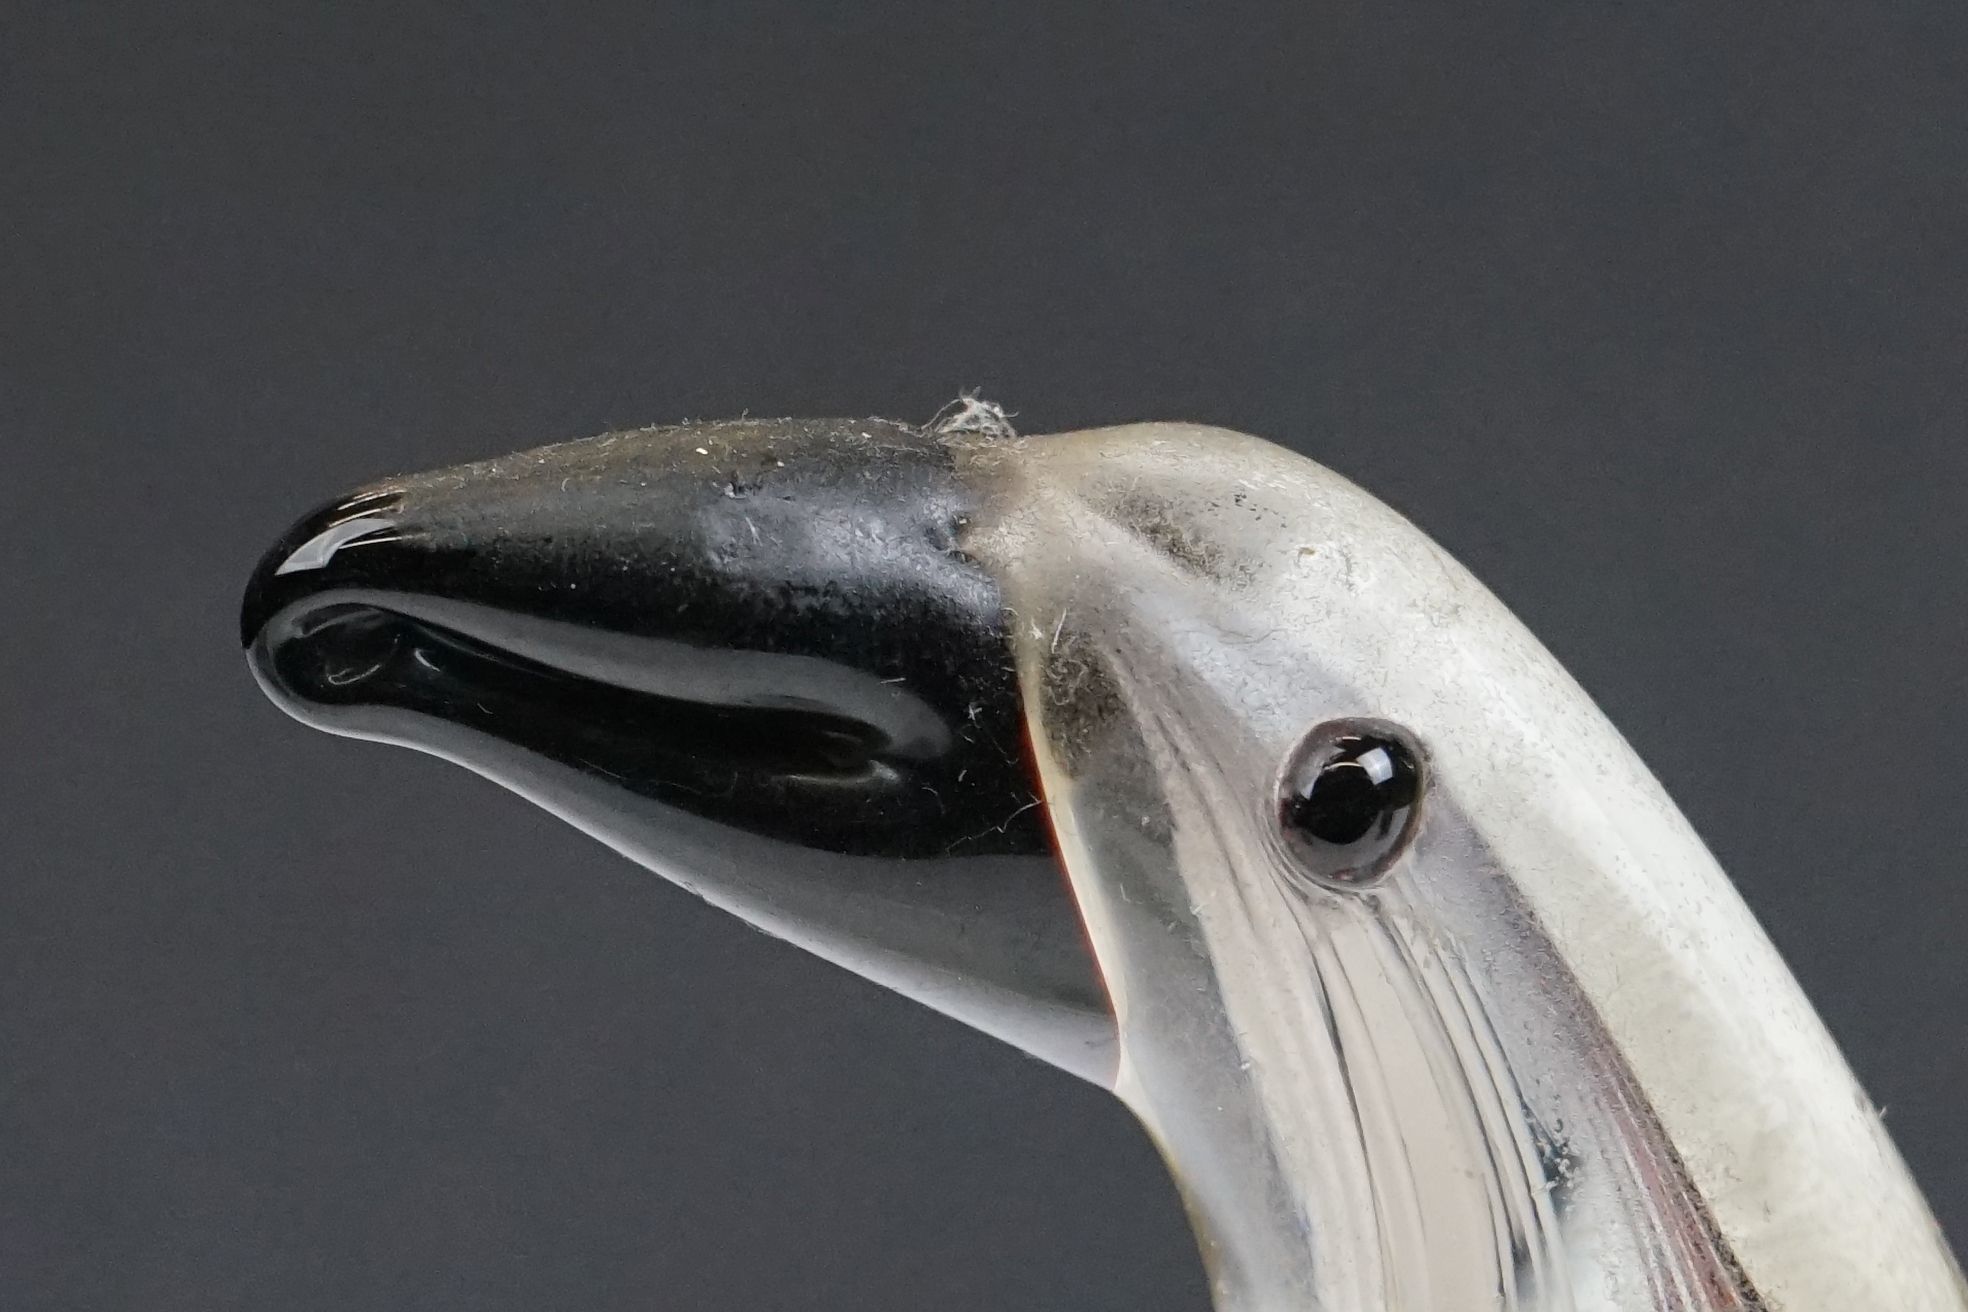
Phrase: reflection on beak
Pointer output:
(750, 657)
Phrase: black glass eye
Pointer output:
(1349, 798)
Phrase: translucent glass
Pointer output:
(1549, 1061)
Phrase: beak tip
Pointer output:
(308, 545)
(255, 607)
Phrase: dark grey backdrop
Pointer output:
(1654, 314)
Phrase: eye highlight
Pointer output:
(1348, 800)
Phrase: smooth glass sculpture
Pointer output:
(1182, 763)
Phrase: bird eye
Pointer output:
(1348, 800)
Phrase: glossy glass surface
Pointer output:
(749, 656)
(765, 624)
(1347, 801)
(1548, 1062)
(1515, 1043)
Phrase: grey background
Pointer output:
(1654, 314)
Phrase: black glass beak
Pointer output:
(749, 655)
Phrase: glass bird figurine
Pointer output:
(1180, 762)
